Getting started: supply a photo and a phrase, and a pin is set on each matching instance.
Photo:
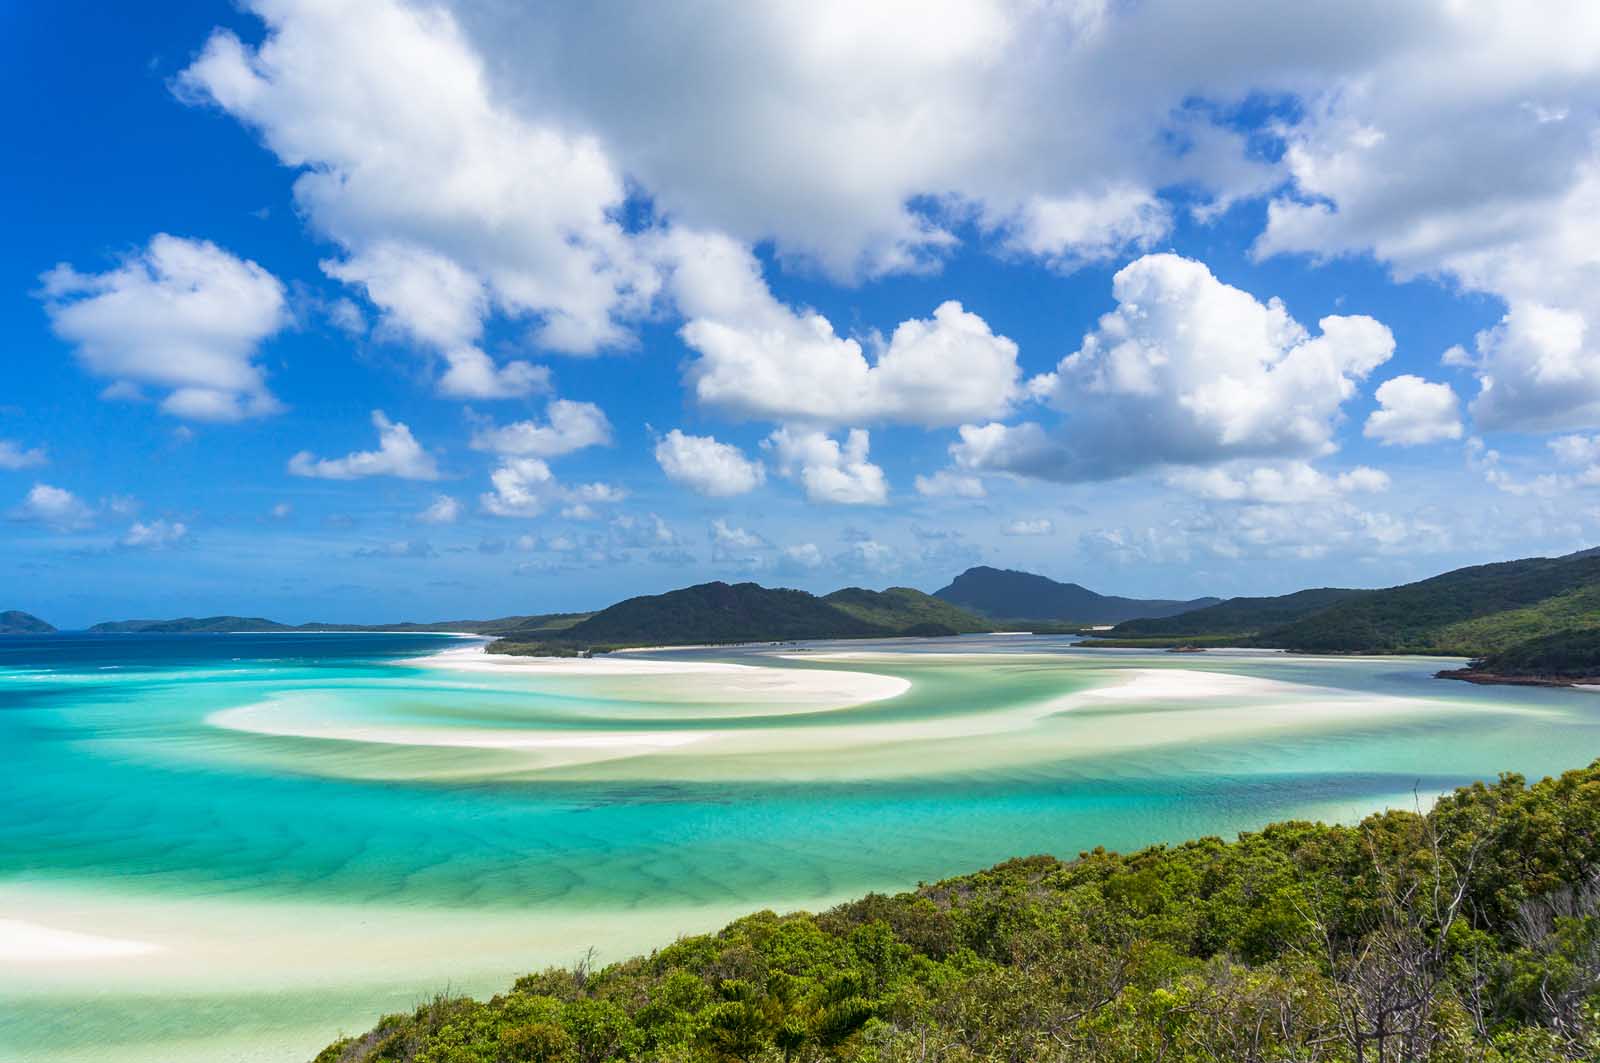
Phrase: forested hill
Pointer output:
(1493, 611)
(1471, 933)
(1007, 593)
(747, 612)
(16, 622)
(1240, 616)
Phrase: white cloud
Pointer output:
(828, 471)
(182, 316)
(728, 537)
(13, 456)
(443, 510)
(950, 482)
(803, 555)
(447, 203)
(1286, 483)
(281, 511)
(1467, 148)
(719, 470)
(1037, 526)
(53, 506)
(398, 454)
(1186, 370)
(525, 487)
(1412, 411)
(853, 141)
(568, 426)
(759, 358)
(155, 535)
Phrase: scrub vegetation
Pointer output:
(1469, 933)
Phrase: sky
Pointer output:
(373, 310)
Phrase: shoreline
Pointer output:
(1470, 675)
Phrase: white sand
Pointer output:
(31, 943)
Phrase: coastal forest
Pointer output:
(1468, 933)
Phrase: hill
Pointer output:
(1238, 616)
(906, 611)
(1469, 612)
(1468, 933)
(16, 622)
(748, 612)
(1485, 611)
(1006, 593)
(189, 625)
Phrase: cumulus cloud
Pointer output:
(868, 555)
(525, 487)
(443, 510)
(1284, 483)
(1412, 411)
(719, 470)
(758, 358)
(1036, 526)
(155, 535)
(861, 147)
(803, 555)
(568, 426)
(1186, 370)
(54, 507)
(829, 471)
(182, 316)
(14, 456)
(1490, 177)
(398, 454)
(447, 203)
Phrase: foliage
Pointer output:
(712, 613)
(1006, 592)
(1237, 616)
(1572, 654)
(1471, 933)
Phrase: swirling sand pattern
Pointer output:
(279, 836)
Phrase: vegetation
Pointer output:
(906, 611)
(1435, 615)
(189, 625)
(1563, 657)
(1005, 592)
(1236, 616)
(1538, 617)
(719, 613)
(1470, 933)
(16, 622)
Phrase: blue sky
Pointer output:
(1244, 306)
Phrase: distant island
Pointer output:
(722, 613)
(16, 622)
(1023, 596)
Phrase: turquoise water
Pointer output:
(230, 847)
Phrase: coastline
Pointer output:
(1470, 675)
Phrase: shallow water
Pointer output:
(230, 847)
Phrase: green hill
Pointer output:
(1470, 933)
(1238, 616)
(906, 611)
(16, 622)
(1468, 612)
(748, 612)
(1479, 612)
(1007, 593)
(189, 625)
